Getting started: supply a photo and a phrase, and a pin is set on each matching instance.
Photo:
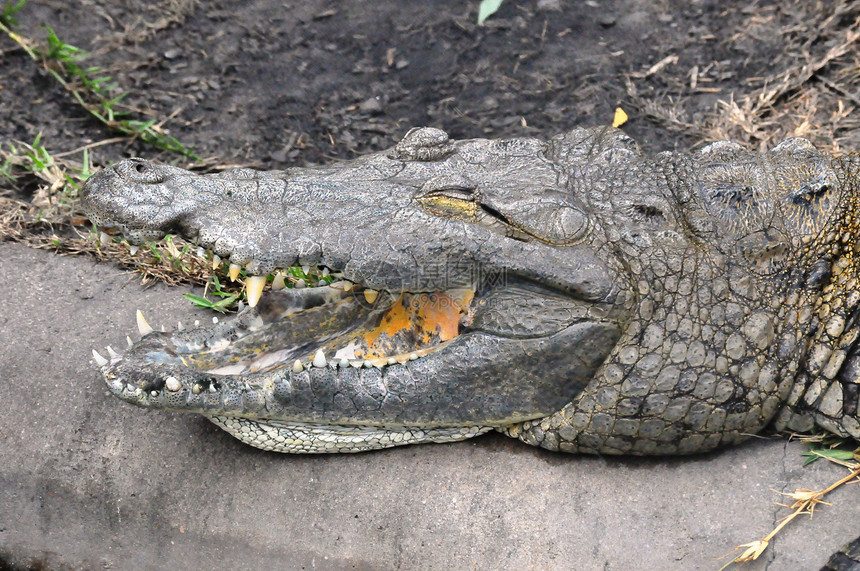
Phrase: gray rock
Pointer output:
(88, 481)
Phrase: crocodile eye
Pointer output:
(811, 192)
(451, 203)
(449, 196)
(452, 193)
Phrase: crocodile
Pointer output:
(572, 293)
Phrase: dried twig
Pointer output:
(805, 502)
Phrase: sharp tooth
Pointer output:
(240, 306)
(379, 363)
(142, 325)
(254, 289)
(100, 361)
(300, 284)
(104, 239)
(113, 354)
(179, 326)
(172, 384)
(279, 282)
(319, 359)
(197, 388)
(216, 262)
(129, 341)
(212, 389)
(133, 249)
(234, 271)
(325, 272)
(347, 285)
(297, 367)
(336, 285)
(201, 253)
(306, 269)
(163, 330)
(370, 295)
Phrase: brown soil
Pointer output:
(285, 83)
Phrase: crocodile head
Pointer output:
(471, 284)
(462, 295)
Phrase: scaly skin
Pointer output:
(602, 301)
(846, 559)
(571, 293)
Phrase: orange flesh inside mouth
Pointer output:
(392, 330)
(415, 321)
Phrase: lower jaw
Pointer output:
(478, 380)
(446, 382)
(310, 438)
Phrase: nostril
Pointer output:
(140, 171)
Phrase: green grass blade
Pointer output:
(486, 9)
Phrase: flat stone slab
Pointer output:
(88, 481)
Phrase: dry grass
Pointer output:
(146, 25)
(811, 91)
(805, 502)
(51, 217)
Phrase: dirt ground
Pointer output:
(277, 84)
(284, 83)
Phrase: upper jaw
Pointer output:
(363, 218)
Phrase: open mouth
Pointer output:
(233, 370)
(338, 325)
(343, 354)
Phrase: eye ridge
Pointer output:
(453, 192)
